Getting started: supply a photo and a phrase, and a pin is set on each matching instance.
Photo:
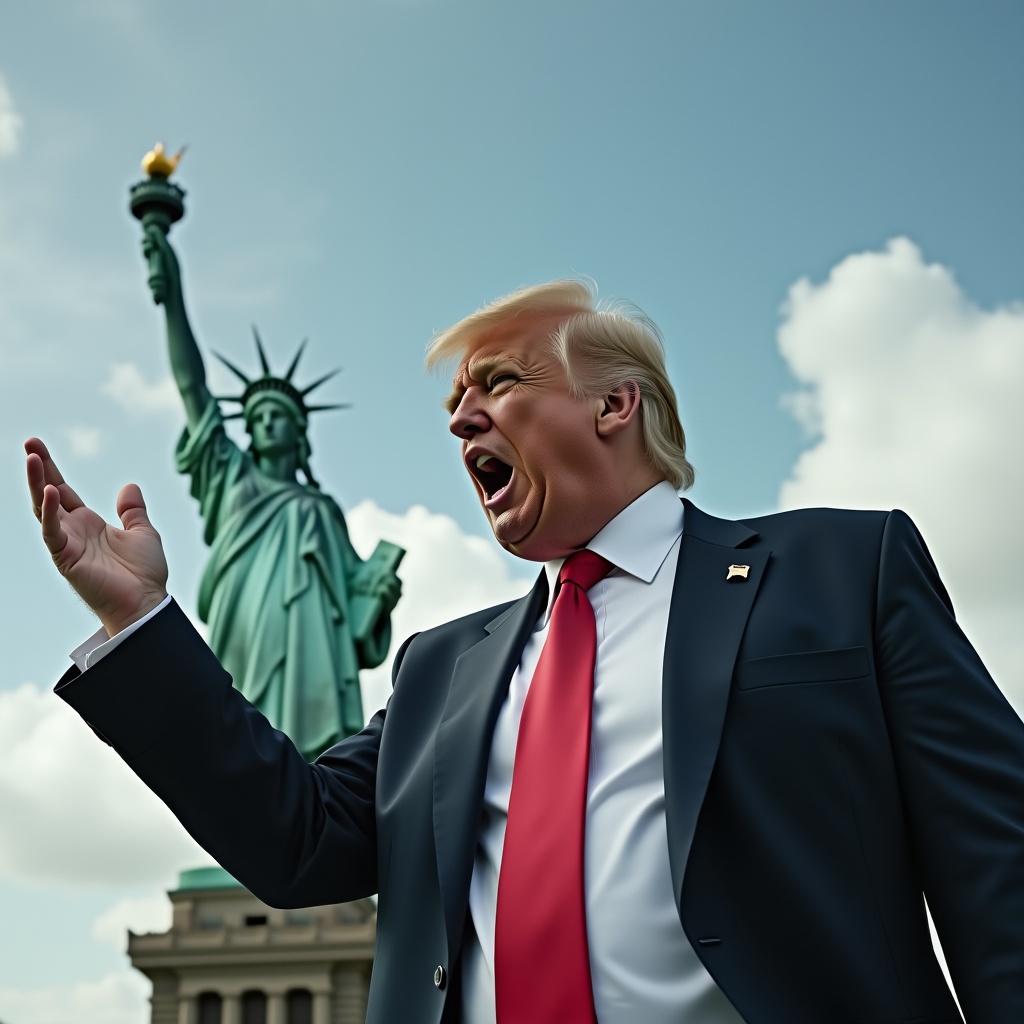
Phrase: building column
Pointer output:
(276, 1009)
(321, 1008)
(188, 1010)
(232, 1010)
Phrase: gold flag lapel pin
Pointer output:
(737, 573)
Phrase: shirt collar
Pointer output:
(636, 541)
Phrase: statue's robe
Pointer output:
(276, 590)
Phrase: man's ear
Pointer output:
(617, 410)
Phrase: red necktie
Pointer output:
(541, 963)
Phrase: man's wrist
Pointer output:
(115, 625)
(101, 643)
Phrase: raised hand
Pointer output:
(164, 273)
(121, 574)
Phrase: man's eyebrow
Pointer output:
(451, 403)
(478, 369)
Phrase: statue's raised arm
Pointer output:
(293, 612)
(186, 359)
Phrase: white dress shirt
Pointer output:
(642, 966)
(100, 644)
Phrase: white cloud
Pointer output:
(121, 997)
(913, 395)
(140, 914)
(10, 122)
(127, 386)
(73, 813)
(446, 573)
(85, 441)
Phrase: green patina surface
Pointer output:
(197, 879)
(293, 611)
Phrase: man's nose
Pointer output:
(469, 418)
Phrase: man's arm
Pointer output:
(294, 834)
(959, 750)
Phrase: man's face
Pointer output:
(531, 448)
(273, 429)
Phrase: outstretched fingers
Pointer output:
(47, 473)
(54, 536)
(36, 482)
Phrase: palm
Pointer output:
(119, 573)
(110, 568)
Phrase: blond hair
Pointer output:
(600, 349)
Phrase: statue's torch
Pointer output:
(155, 200)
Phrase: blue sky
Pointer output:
(364, 173)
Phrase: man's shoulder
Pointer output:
(832, 529)
(849, 533)
(801, 519)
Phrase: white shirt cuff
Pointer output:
(99, 645)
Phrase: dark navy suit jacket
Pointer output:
(833, 749)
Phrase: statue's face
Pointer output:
(273, 429)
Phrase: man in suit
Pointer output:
(786, 741)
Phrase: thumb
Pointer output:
(131, 508)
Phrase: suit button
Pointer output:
(439, 976)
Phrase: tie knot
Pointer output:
(584, 568)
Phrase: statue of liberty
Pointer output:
(293, 612)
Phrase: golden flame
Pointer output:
(157, 162)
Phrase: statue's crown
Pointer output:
(280, 386)
(271, 383)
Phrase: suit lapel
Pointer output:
(462, 749)
(706, 622)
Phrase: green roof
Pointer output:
(206, 878)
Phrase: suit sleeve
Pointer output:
(294, 834)
(959, 750)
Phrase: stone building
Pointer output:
(230, 959)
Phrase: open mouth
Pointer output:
(493, 475)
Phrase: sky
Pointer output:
(818, 203)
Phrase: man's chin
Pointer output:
(528, 544)
(510, 532)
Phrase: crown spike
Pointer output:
(324, 408)
(234, 369)
(295, 359)
(263, 355)
(320, 380)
